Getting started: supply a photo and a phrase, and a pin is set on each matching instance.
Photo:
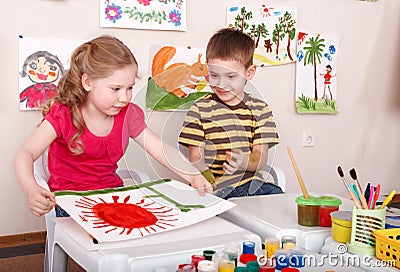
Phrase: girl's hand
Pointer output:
(41, 201)
(201, 184)
(235, 159)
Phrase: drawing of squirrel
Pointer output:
(176, 75)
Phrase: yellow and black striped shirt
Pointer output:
(218, 127)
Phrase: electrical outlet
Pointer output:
(308, 139)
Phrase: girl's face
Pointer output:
(41, 71)
(228, 78)
(109, 95)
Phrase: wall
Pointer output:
(364, 135)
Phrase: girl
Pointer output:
(87, 127)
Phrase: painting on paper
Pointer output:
(316, 73)
(144, 14)
(42, 63)
(272, 28)
(178, 78)
(140, 210)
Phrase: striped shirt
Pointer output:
(218, 128)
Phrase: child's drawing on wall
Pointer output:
(43, 69)
(273, 30)
(144, 14)
(42, 63)
(315, 79)
(178, 77)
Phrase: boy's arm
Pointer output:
(254, 161)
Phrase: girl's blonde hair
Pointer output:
(98, 58)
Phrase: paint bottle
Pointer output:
(253, 266)
(208, 253)
(288, 242)
(226, 266)
(196, 259)
(282, 259)
(232, 250)
(271, 245)
(245, 258)
(219, 257)
(186, 268)
(297, 257)
(248, 247)
(206, 266)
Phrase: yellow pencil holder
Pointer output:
(341, 226)
(364, 222)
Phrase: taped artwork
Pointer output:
(178, 77)
(316, 73)
(144, 14)
(140, 210)
(273, 30)
(43, 62)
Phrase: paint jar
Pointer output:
(245, 258)
(241, 269)
(288, 242)
(297, 257)
(206, 266)
(253, 266)
(271, 244)
(208, 253)
(186, 268)
(226, 266)
(196, 259)
(232, 250)
(328, 204)
(219, 257)
(282, 258)
(290, 269)
(248, 247)
(307, 211)
(341, 226)
(266, 268)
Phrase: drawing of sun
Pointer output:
(145, 216)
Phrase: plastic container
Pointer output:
(253, 266)
(226, 266)
(341, 226)
(297, 258)
(388, 245)
(206, 266)
(271, 245)
(196, 259)
(364, 222)
(288, 242)
(307, 211)
(186, 268)
(328, 204)
(282, 258)
(248, 247)
(208, 253)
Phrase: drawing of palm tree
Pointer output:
(240, 20)
(288, 25)
(313, 53)
(256, 32)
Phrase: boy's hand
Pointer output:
(235, 159)
(201, 184)
(41, 201)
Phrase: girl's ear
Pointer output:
(86, 82)
(251, 72)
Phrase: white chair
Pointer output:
(42, 176)
(277, 175)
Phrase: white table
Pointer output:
(163, 251)
(275, 216)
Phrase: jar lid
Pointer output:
(245, 258)
(342, 215)
(329, 201)
(312, 201)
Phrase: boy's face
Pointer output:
(228, 78)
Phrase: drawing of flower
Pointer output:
(144, 2)
(113, 12)
(175, 17)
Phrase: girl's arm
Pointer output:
(254, 161)
(40, 200)
(171, 158)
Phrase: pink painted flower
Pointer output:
(144, 2)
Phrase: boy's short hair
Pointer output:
(231, 44)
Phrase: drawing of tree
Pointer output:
(240, 20)
(288, 28)
(313, 53)
(277, 35)
(256, 32)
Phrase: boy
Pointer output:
(228, 132)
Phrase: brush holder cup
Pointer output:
(308, 211)
(364, 222)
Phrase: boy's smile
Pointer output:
(228, 78)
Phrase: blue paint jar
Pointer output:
(297, 257)
(248, 247)
(282, 258)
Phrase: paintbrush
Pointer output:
(353, 175)
(298, 175)
(352, 195)
(387, 200)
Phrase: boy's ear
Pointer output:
(86, 82)
(251, 72)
